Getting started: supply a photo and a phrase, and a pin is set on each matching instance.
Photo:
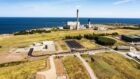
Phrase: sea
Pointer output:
(14, 24)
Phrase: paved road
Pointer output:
(51, 73)
(119, 52)
(125, 55)
(88, 68)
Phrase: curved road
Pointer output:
(51, 73)
(88, 68)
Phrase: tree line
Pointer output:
(99, 38)
(25, 32)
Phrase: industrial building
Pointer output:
(89, 26)
(89, 23)
(131, 38)
(73, 25)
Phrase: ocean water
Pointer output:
(14, 24)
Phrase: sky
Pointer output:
(67, 8)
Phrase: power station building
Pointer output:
(73, 25)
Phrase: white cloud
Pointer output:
(122, 2)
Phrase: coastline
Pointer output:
(10, 25)
(112, 26)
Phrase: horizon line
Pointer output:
(63, 17)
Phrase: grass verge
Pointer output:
(74, 68)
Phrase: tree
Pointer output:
(105, 41)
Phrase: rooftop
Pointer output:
(133, 36)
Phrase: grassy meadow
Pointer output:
(87, 43)
(62, 45)
(74, 68)
(25, 40)
(114, 66)
(25, 70)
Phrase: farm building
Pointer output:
(73, 25)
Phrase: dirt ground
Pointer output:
(12, 57)
(58, 47)
(59, 67)
(60, 71)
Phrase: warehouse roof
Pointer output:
(133, 36)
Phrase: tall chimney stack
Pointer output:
(77, 26)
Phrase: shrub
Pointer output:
(90, 36)
(79, 37)
(115, 33)
(105, 41)
(0, 46)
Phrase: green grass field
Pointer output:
(87, 43)
(25, 70)
(63, 45)
(74, 68)
(25, 40)
(114, 66)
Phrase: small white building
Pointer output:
(122, 48)
(134, 53)
(131, 54)
(102, 28)
(61, 28)
(138, 57)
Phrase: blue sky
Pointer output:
(67, 8)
